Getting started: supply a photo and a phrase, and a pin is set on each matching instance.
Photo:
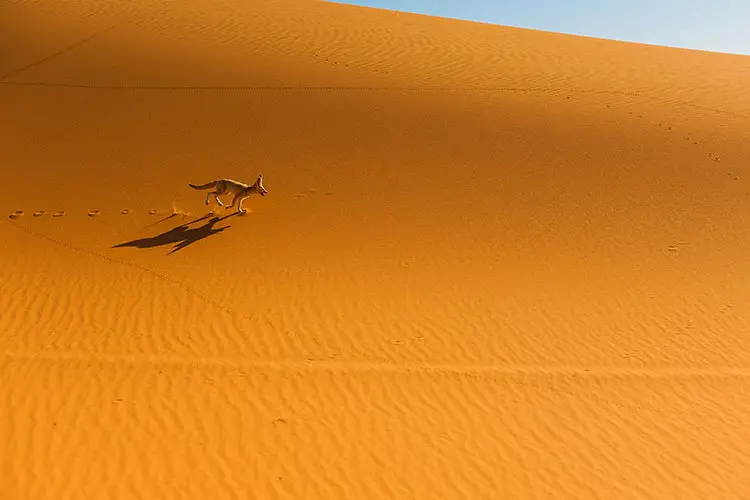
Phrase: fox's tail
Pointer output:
(204, 186)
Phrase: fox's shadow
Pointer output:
(182, 235)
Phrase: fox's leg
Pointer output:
(239, 207)
(234, 201)
(215, 195)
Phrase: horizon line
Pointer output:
(528, 28)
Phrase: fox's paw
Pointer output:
(93, 213)
(16, 215)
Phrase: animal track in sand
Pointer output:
(126, 211)
(677, 246)
(695, 142)
(690, 138)
(310, 191)
(91, 213)
(350, 88)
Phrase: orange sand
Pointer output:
(493, 263)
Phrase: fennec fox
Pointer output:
(238, 189)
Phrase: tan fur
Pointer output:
(238, 189)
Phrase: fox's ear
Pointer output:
(260, 178)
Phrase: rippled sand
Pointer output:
(493, 262)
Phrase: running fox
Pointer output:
(238, 189)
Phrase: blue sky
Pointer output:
(716, 25)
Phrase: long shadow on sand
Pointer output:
(181, 236)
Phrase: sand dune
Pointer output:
(493, 262)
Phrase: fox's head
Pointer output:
(259, 184)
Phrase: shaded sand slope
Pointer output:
(493, 262)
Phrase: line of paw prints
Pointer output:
(311, 191)
(125, 211)
(62, 213)
(711, 156)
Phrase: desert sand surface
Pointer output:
(492, 263)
